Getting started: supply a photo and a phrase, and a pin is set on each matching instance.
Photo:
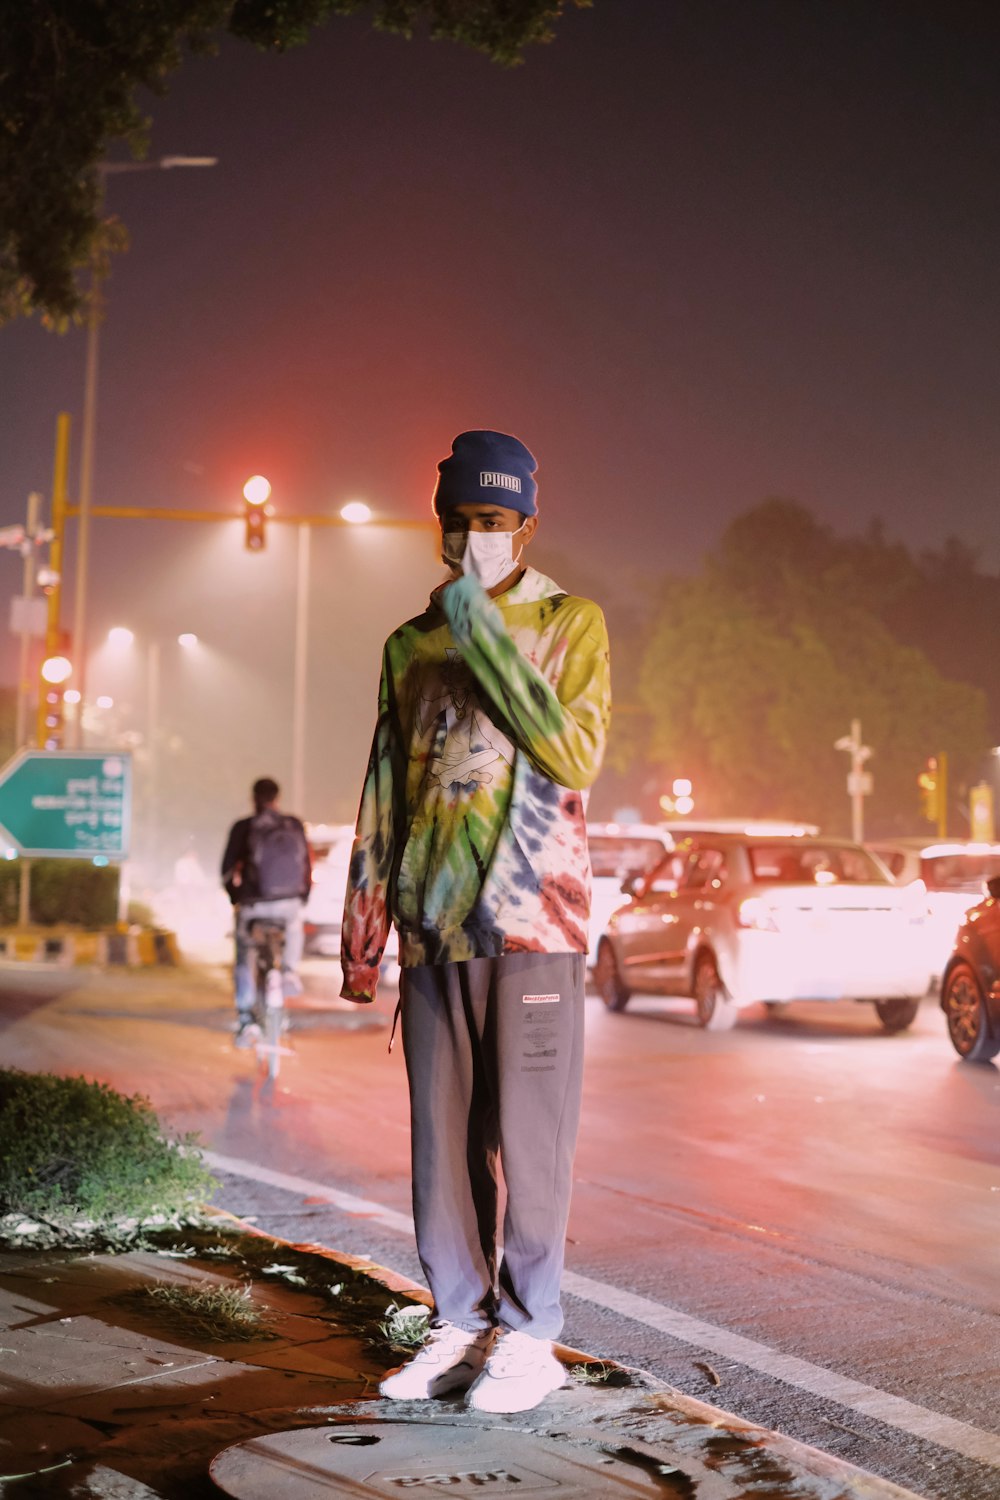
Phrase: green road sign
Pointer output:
(56, 802)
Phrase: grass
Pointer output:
(404, 1328)
(218, 1313)
(81, 1163)
(355, 1301)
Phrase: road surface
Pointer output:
(797, 1220)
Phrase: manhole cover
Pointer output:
(428, 1458)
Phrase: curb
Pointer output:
(107, 949)
(816, 1475)
(394, 1281)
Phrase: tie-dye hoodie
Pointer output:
(471, 837)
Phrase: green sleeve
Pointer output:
(561, 728)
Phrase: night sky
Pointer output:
(694, 254)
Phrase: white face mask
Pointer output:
(489, 555)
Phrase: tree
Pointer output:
(756, 667)
(69, 75)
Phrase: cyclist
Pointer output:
(267, 872)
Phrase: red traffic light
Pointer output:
(256, 492)
(255, 535)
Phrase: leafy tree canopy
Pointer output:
(758, 665)
(69, 75)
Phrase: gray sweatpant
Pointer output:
(494, 1059)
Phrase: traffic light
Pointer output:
(933, 785)
(56, 672)
(255, 495)
(927, 782)
(52, 718)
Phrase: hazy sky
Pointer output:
(692, 253)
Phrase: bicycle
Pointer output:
(267, 942)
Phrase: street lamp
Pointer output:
(105, 169)
(356, 512)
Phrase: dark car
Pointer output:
(970, 987)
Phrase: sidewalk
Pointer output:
(104, 1393)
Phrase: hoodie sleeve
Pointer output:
(366, 912)
(562, 728)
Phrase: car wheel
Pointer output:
(896, 1015)
(610, 986)
(716, 1012)
(968, 1021)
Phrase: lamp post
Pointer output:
(859, 781)
(87, 440)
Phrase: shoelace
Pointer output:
(506, 1360)
(444, 1340)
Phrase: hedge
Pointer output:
(63, 891)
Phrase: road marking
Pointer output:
(349, 1202)
(867, 1400)
(894, 1411)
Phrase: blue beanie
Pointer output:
(490, 467)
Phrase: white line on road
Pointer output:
(893, 1411)
(349, 1202)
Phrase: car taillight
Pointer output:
(755, 912)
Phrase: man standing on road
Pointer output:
(267, 872)
(493, 714)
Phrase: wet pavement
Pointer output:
(104, 1393)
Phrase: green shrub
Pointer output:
(74, 891)
(72, 1150)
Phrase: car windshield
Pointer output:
(814, 864)
(959, 872)
(619, 857)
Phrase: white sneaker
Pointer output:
(519, 1374)
(450, 1360)
(248, 1034)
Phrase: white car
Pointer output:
(331, 844)
(954, 873)
(618, 852)
(734, 919)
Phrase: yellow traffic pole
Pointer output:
(942, 795)
(59, 475)
(60, 470)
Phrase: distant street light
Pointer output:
(357, 512)
(188, 640)
(120, 635)
(89, 426)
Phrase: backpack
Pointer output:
(279, 856)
